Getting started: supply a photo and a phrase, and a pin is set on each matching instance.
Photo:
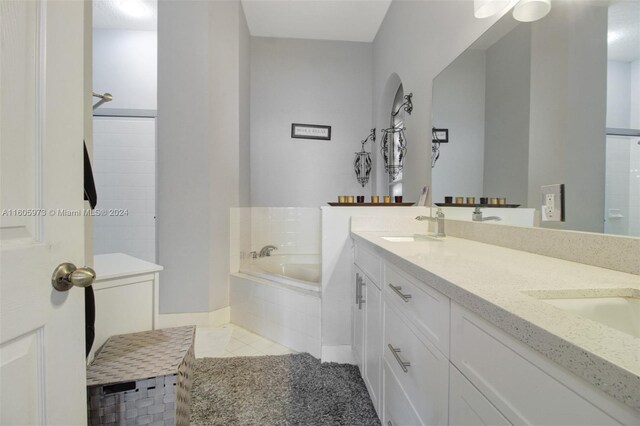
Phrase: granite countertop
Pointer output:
(493, 282)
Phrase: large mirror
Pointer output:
(556, 101)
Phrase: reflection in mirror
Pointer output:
(533, 104)
(396, 137)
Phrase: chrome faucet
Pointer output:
(476, 216)
(266, 250)
(439, 220)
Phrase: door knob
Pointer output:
(66, 275)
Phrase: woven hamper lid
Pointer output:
(138, 356)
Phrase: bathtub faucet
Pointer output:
(266, 250)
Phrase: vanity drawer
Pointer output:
(519, 381)
(397, 410)
(467, 406)
(369, 263)
(425, 307)
(426, 379)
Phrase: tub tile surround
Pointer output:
(290, 317)
(281, 312)
(291, 229)
(498, 283)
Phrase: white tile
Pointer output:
(235, 344)
(249, 338)
(247, 351)
(262, 344)
(239, 332)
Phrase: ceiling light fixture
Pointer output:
(531, 10)
(487, 8)
(133, 8)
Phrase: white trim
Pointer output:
(199, 319)
(340, 353)
(41, 101)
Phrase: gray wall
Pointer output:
(202, 128)
(568, 111)
(618, 94)
(125, 65)
(458, 104)
(506, 155)
(416, 41)
(245, 112)
(312, 82)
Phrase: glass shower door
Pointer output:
(622, 185)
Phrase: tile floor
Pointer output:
(230, 340)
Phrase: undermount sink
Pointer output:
(411, 238)
(620, 311)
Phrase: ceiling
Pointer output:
(348, 20)
(141, 15)
(624, 31)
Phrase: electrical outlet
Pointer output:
(552, 203)
(549, 205)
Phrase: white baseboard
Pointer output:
(199, 319)
(341, 354)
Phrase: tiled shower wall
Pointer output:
(124, 167)
(634, 188)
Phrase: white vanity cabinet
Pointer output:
(416, 344)
(519, 384)
(427, 360)
(367, 322)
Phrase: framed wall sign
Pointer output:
(310, 131)
(440, 135)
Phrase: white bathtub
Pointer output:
(278, 297)
(296, 270)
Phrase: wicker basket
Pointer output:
(142, 378)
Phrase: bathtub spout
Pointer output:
(266, 250)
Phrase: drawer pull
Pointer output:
(397, 289)
(403, 364)
(360, 302)
(359, 284)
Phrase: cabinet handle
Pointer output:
(403, 364)
(360, 302)
(389, 423)
(358, 288)
(397, 289)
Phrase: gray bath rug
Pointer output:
(291, 389)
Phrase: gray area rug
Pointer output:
(291, 389)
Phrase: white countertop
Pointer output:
(115, 265)
(491, 281)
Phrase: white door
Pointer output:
(42, 346)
